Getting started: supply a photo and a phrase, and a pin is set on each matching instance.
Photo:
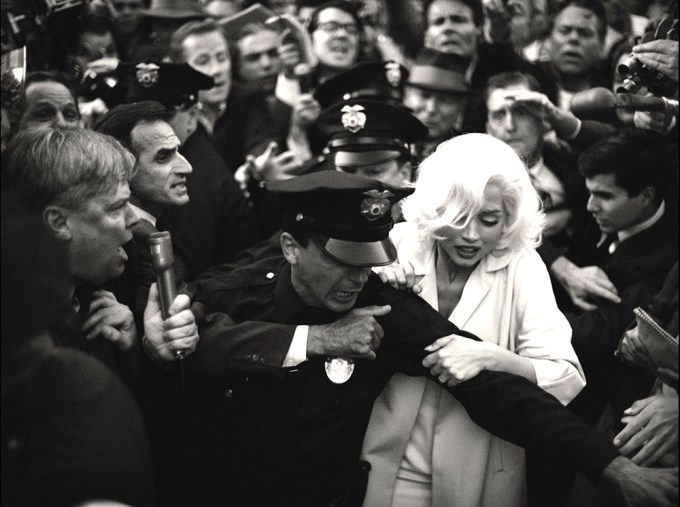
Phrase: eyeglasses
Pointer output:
(334, 26)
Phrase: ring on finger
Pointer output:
(442, 379)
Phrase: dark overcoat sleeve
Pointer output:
(509, 406)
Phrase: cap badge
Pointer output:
(147, 74)
(353, 119)
(376, 205)
(393, 73)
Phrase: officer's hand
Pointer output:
(111, 320)
(163, 338)
(400, 276)
(356, 334)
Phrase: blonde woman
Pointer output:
(468, 241)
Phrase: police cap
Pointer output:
(375, 80)
(171, 84)
(364, 132)
(350, 213)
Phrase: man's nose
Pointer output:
(359, 274)
(509, 123)
(131, 217)
(60, 121)
(183, 166)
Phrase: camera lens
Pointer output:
(630, 65)
(630, 85)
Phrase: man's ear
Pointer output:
(405, 171)
(55, 219)
(648, 194)
(289, 246)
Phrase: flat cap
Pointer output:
(350, 212)
(171, 84)
(363, 132)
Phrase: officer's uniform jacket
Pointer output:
(269, 435)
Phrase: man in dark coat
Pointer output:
(621, 259)
(272, 435)
(218, 222)
(71, 431)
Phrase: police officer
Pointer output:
(372, 138)
(288, 365)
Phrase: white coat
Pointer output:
(507, 300)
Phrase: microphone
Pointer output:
(601, 104)
(162, 260)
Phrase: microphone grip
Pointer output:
(167, 290)
(162, 261)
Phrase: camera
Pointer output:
(90, 85)
(636, 75)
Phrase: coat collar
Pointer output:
(422, 256)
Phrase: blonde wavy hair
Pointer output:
(450, 190)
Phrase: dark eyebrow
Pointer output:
(166, 151)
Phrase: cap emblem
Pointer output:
(353, 119)
(393, 73)
(377, 204)
(147, 74)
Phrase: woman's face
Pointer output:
(467, 246)
(336, 39)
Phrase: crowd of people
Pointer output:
(423, 253)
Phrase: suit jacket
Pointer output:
(637, 268)
(245, 126)
(507, 300)
(269, 435)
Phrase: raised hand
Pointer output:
(111, 320)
